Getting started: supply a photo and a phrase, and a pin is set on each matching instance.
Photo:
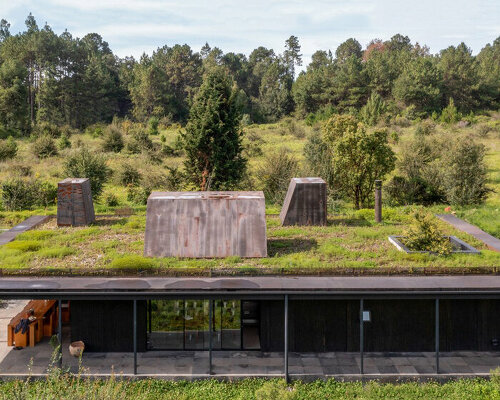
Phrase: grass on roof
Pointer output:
(350, 244)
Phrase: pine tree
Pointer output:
(212, 140)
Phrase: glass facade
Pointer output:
(184, 325)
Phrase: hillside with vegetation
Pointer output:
(426, 124)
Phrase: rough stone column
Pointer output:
(305, 202)
(74, 202)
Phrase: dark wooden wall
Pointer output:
(396, 325)
(469, 325)
(400, 325)
(314, 326)
(107, 326)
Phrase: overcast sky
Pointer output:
(132, 27)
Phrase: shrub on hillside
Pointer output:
(275, 174)
(425, 128)
(128, 175)
(44, 147)
(113, 139)
(153, 126)
(45, 128)
(289, 126)
(8, 149)
(465, 173)
(318, 159)
(450, 114)
(111, 200)
(139, 142)
(25, 194)
(87, 164)
(373, 110)
(64, 142)
(173, 181)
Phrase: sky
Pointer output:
(132, 27)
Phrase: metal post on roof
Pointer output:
(210, 327)
(135, 337)
(378, 201)
(59, 330)
(287, 378)
(437, 335)
(361, 336)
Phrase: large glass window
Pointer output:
(184, 324)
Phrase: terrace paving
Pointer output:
(490, 241)
(244, 364)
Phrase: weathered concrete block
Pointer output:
(74, 202)
(305, 202)
(205, 224)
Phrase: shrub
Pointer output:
(128, 175)
(421, 176)
(45, 128)
(64, 142)
(319, 160)
(275, 174)
(400, 191)
(373, 110)
(86, 164)
(450, 114)
(111, 200)
(153, 126)
(8, 149)
(19, 169)
(44, 147)
(139, 142)
(291, 127)
(25, 194)
(113, 139)
(423, 234)
(425, 128)
(96, 130)
(172, 182)
(466, 174)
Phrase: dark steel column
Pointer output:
(378, 201)
(149, 314)
(210, 327)
(135, 337)
(287, 379)
(361, 335)
(59, 330)
(437, 335)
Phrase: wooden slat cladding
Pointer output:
(205, 224)
(395, 326)
(305, 202)
(107, 326)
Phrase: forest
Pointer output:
(77, 82)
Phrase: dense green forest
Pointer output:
(76, 82)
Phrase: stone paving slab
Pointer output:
(241, 364)
(30, 223)
(490, 241)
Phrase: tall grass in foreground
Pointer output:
(62, 385)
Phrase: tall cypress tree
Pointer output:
(212, 140)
